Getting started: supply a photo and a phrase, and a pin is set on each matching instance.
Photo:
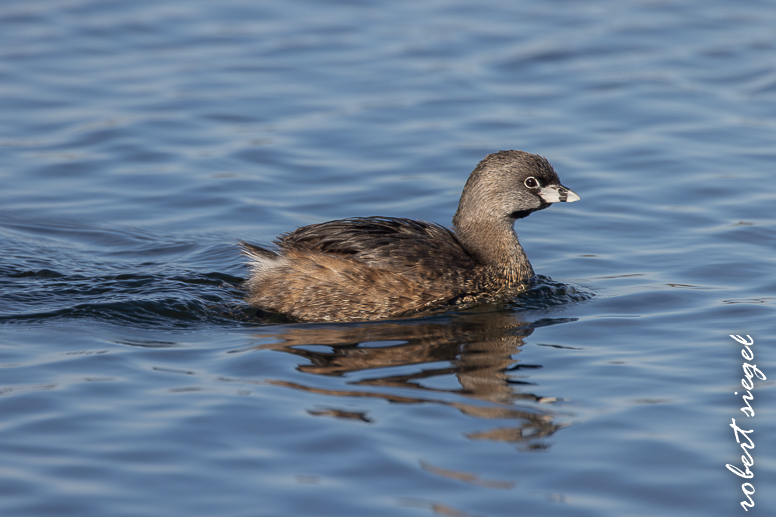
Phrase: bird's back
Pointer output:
(420, 250)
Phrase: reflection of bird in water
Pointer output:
(476, 348)
(378, 267)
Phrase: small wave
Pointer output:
(141, 299)
(546, 293)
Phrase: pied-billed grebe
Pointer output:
(369, 268)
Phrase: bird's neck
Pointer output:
(496, 247)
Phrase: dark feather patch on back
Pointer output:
(415, 248)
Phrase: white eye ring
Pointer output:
(531, 182)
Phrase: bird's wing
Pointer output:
(400, 245)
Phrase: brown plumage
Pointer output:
(381, 267)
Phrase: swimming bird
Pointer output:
(370, 268)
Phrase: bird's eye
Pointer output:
(531, 182)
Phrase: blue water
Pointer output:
(140, 140)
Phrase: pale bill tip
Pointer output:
(558, 194)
